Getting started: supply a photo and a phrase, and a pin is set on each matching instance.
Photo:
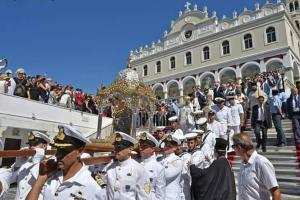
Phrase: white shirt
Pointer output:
(64, 99)
(12, 86)
(256, 178)
(202, 158)
(173, 167)
(186, 180)
(223, 116)
(217, 128)
(209, 139)
(236, 110)
(156, 173)
(178, 133)
(261, 116)
(127, 180)
(295, 108)
(81, 185)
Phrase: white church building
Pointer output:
(199, 48)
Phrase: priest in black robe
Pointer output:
(216, 182)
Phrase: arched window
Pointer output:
(206, 55)
(248, 41)
(296, 5)
(158, 67)
(291, 7)
(188, 58)
(297, 24)
(226, 47)
(172, 63)
(145, 70)
(271, 34)
(292, 37)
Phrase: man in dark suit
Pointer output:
(293, 111)
(261, 122)
(218, 90)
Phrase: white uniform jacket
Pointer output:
(173, 169)
(80, 186)
(127, 180)
(157, 177)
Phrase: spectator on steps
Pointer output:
(261, 122)
(276, 110)
(293, 108)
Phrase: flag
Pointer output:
(3, 63)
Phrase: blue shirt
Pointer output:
(275, 104)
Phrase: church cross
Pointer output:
(187, 5)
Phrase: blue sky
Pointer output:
(86, 42)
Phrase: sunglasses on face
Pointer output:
(234, 146)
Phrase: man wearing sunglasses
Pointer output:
(257, 179)
(67, 177)
(156, 172)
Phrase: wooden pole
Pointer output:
(93, 147)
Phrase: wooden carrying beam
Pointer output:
(28, 152)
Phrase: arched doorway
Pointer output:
(173, 90)
(207, 81)
(250, 70)
(228, 76)
(188, 86)
(274, 65)
(159, 92)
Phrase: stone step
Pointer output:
(289, 197)
(289, 188)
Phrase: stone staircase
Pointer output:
(284, 160)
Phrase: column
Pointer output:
(238, 72)
(180, 87)
(198, 81)
(262, 66)
(288, 65)
(217, 76)
(165, 89)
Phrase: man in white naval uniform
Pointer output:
(173, 167)
(156, 172)
(215, 126)
(175, 130)
(26, 174)
(237, 114)
(68, 178)
(26, 170)
(126, 178)
(208, 136)
(186, 120)
(223, 114)
(201, 156)
(5, 175)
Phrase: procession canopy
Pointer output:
(127, 96)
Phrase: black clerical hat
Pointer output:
(221, 144)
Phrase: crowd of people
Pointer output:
(43, 89)
(185, 160)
